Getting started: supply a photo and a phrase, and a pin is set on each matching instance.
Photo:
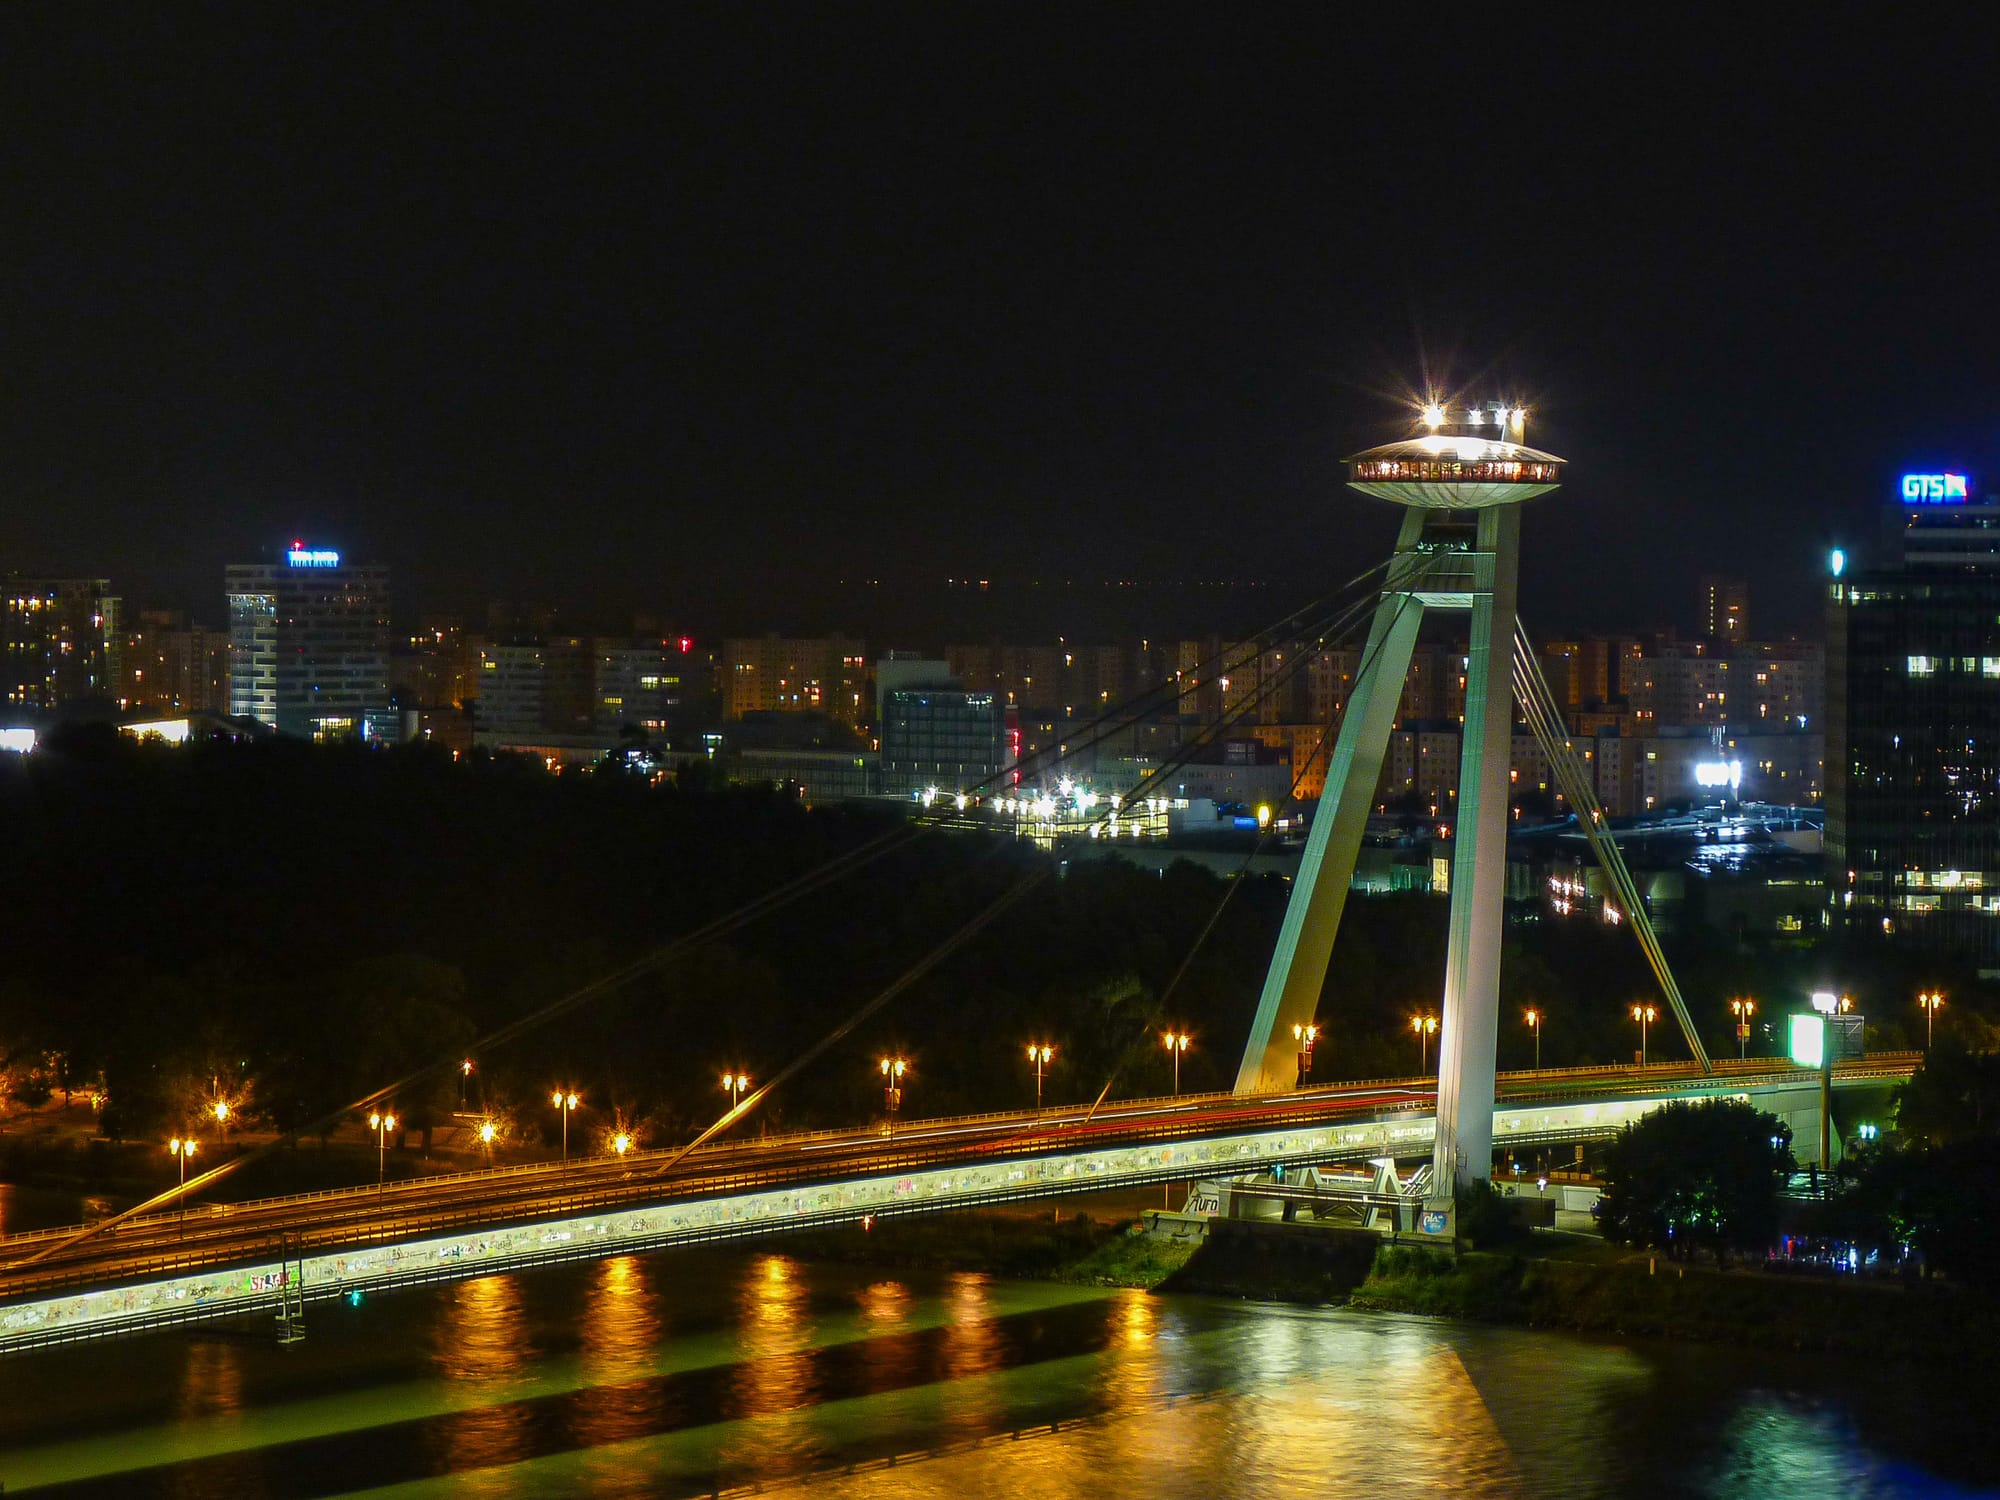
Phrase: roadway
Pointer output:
(274, 1229)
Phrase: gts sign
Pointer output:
(1933, 489)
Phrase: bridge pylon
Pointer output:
(1463, 480)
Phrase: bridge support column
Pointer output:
(1470, 1030)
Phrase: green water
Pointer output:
(698, 1372)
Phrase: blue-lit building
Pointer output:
(309, 642)
(1913, 723)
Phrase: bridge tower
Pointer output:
(1462, 479)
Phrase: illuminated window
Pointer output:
(1923, 666)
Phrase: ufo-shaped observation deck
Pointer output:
(1450, 472)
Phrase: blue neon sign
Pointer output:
(303, 557)
(1933, 489)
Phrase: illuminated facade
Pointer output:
(772, 674)
(1913, 740)
(309, 643)
(61, 640)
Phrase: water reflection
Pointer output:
(775, 1330)
(481, 1342)
(782, 1374)
(211, 1379)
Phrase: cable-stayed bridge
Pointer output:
(269, 1258)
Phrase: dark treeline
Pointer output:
(291, 926)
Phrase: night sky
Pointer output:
(702, 310)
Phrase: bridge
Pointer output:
(270, 1257)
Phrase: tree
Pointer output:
(1689, 1177)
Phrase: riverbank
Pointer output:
(1556, 1281)
(1097, 1245)
(1602, 1291)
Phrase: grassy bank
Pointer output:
(1592, 1291)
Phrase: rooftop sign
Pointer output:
(1933, 489)
(303, 557)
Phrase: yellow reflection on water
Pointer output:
(621, 1331)
(211, 1380)
(480, 1340)
(774, 1373)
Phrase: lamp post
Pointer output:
(893, 1069)
(735, 1084)
(621, 1143)
(183, 1148)
(381, 1124)
(1425, 1027)
(1041, 1054)
(1645, 1015)
(464, 1075)
(1305, 1036)
(488, 1133)
(565, 1101)
(1534, 1019)
(1176, 1042)
(1930, 1002)
(1744, 1010)
(220, 1109)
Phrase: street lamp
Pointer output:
(735, 1084)
(464, 1074)
(1041, 1054)
(1425, 1027)
(381, 1124)
(1176, 1042)
(566, 1101)
(893, 1069)
(183, 1148)
(621, 1143)
(1534, 1019)
(1930, 1002)
(1744, 1010)
(1305, 1036)
(488, 1133)
(220, 1109)
(1645, 1015)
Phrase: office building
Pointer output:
(309, 643)
(1913, 716)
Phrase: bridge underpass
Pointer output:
(272, 1256)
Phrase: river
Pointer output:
(702, 1371)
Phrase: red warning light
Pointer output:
(686, 644)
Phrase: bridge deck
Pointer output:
(232, 1258)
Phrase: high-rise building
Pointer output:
(1913, 724)
(61, 639)
(173, 666)
(936, 732)
(638, 685)
(309, 643)
(1725, 608)
(770, 674)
